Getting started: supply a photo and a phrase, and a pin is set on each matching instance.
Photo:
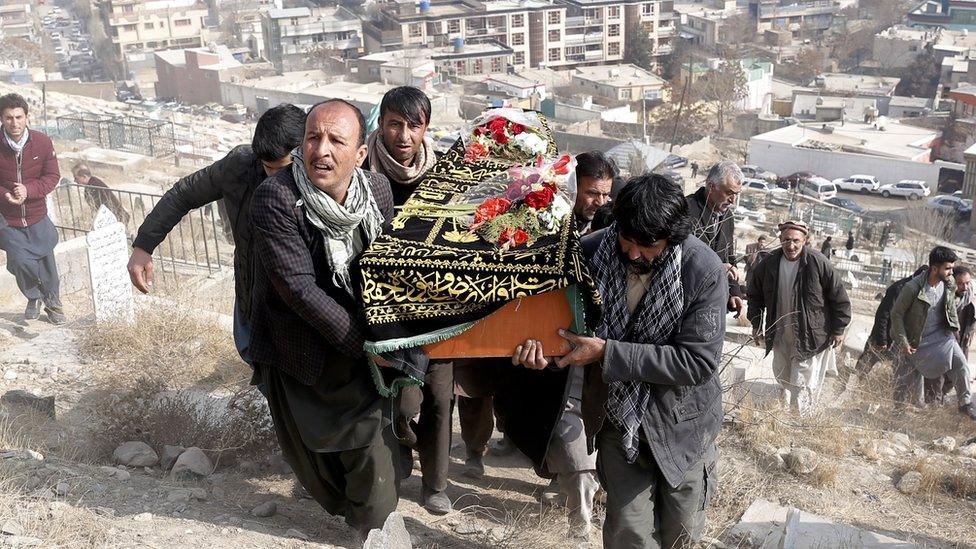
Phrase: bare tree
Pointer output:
(926, 227)
(725, 88)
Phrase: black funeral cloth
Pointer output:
(429, 278)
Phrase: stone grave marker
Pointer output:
(108, 256)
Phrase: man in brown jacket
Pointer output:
(28, 173)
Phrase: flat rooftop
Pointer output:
(895, 140)
(618, 75)
(478, 49)
(857, 83)
(317, 82)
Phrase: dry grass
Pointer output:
(533, 525)
(941, 479)
(231, 428)
(173, 343)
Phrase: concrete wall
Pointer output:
(97, 90)
(785, 159)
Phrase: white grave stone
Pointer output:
(108, 257)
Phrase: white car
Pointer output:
(908, 188)
(818, 188)
(758, 185)
(858, 183)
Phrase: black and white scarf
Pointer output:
(338, 222)
(655, 318)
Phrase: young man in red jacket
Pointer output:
(28, 173)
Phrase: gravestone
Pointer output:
(108, 256)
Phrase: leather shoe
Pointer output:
(437, 503)
(474, 466)
(55, 315)
(33, 310)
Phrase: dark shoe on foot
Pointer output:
(474, 466)
(33, 310)
(968, 410)
(404, 432)
(437, 503)
(55, 316)
(501, 447)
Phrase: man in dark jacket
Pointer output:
(806, 310)
(652, 401)
(233, 180)
(28, 173)
(98, 193)
(713, 222)
(311, 223)
(877, 347)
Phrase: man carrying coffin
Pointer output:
(651, 397)
(311, 223)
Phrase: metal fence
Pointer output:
(122, 133)
(199, 244)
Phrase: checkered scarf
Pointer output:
(654, 320)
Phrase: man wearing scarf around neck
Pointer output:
(311, 223)
(652, 402)
(28, 173)
(401, 150)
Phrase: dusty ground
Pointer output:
(74, 498)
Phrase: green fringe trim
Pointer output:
(387, 345)
(393, 389)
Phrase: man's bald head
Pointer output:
(339, 103)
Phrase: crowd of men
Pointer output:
(642, 400)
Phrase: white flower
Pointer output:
(531, 143)
(559, 207)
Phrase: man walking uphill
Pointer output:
(28, 173)
(652, 402)
(806, 310)
(924, 321)
(311, 223)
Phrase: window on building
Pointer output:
(518, 39)
(182, 23)
(454, 25)
(613, 30)
(460, 67)
(148, 26)
(496, 22)
(554, 17)
(554, 54)
(625, 93)
(518, 20)
(416, 31)
(647, 8)
(519, 58)
(613, 12)
(574, 50)
(554, 35)
(129, 28)
(479, 66)
(128, 8)
(613, 48)
(496, 64)
(591, 13)
(294, 40)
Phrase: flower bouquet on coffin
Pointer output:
(504, 134)
(514, 209)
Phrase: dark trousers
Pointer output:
(871, 356)
(433, 402)
(643, 511)
(30, 258)
(908, 382)
(477, 423)
(361, 484)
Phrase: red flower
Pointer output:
(480, 130)
(475, 152)
(489, 209)
(497, 124)
(512, 237)
(539, 200)
(561, 167)
(500, 137)
(516, 128)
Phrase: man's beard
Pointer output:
(639, 266)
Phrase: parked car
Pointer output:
(755, 172)
(858, 183)
(818, 188)
(908, 188)
(675, 176)
(674, 161)
(845, 203)
(793, 180)
(760, 186)
(952, 205)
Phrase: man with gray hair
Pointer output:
(712, 220)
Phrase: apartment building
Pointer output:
(16, 21)
(947, 14)
(142, 26)
(290, 34)
(541, 33)
(803, 18)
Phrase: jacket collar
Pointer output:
(923, 282)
